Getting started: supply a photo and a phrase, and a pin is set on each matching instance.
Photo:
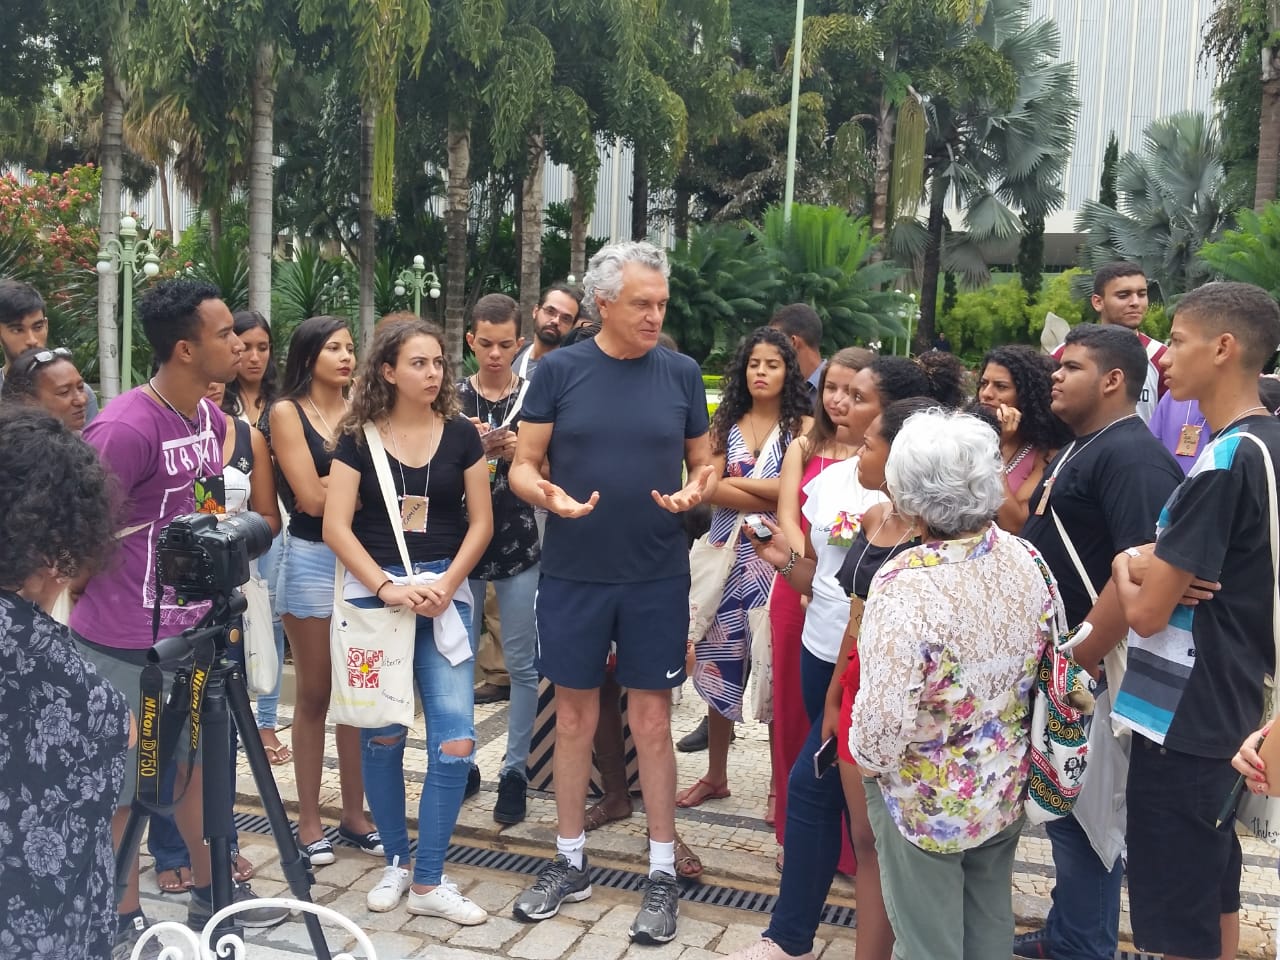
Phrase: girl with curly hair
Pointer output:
(764, 407)
(1014, 385)
(304, 424)
(68, 726)
(441, 478)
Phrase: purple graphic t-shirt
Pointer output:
(157, 455)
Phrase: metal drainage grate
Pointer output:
(613, 878)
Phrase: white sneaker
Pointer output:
(388, 891)
(445, 901)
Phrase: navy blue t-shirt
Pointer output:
(619, 426)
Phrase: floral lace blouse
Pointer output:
(950, 639)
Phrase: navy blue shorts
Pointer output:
(648, 622)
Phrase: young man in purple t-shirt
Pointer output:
(160, 441)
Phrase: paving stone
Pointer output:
(643, 951)
(431, 928)
(390, 946)
(696, 933)
(353, 906)
(434, 952)
(697, 953)
(548, 940)
(739, 935)
(493, 895)
(493, 933)
(595, 946)
(616, 922)
(587, 911)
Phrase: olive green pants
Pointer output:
(945, 906)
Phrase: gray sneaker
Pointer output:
(127, 938)
(656, 921)
(557, 882)
(199, 911)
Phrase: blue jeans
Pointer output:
(811, 839)
(519, 649)
(1084, 921)
(269, 567)
(447, 700)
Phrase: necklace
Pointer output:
(413, 508)
(1239, 416)
(1018, 457)
(508, 393)
(1067, 456)
(165, 400)
(755, 439)
(327, 429)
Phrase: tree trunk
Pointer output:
(531, 212)
(932, 263)
(109, 156)
(639, 197)
(215, 226)
(578, 233)
(162, 174)
(455, 220)
(681, 214)
(1268, 130)
(368, 241)
(884, 170)
(261, 172)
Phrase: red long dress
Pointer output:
(790, 722)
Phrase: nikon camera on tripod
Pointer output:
(207, 559)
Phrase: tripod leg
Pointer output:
(295, 867)
(219, 825)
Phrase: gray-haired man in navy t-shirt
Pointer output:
(616, 420)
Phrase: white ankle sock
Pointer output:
(572, 849)
(662, 856)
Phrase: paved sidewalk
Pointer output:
(736, 847)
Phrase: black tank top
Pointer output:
(863, 562)
(303, 525)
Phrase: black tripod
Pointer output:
(220, 698)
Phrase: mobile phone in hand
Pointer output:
(755, 523)
(825, 757)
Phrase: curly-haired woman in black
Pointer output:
(764, 406)
(68, 726)
(1014, 384)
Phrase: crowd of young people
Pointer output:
(901, 546)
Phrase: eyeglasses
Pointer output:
(45, 356)
(559, 316)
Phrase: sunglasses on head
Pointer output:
(43, 357)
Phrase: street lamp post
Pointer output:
(420, 280)
(124, 255)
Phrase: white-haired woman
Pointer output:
(951, 635)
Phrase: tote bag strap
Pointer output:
(1273, 521)
(1075, 557)
(382, 467)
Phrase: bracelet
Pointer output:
(377, 594)
(786, 569)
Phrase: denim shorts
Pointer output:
(306, 579)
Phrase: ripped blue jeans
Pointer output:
(448, 703)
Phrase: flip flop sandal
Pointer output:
(279, 755)
(171, 881)
(242, 870)
(688, 865)
(710, 792)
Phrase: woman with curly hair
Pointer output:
(441, 477)
(66, 729)
(1014, 385)
(304, 424)
(763, 408)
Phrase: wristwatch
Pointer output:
(786, 568)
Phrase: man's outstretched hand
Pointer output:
(689, 496)
(563, 505)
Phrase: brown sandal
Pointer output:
(173, 881)
(688, 866)
(702, 791)
(598, 815)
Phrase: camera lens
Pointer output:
(249, 528)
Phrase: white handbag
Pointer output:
(709, 566)
(371, 648)
(261, 661)
(1257, 812)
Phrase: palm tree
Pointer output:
(1171, 201)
